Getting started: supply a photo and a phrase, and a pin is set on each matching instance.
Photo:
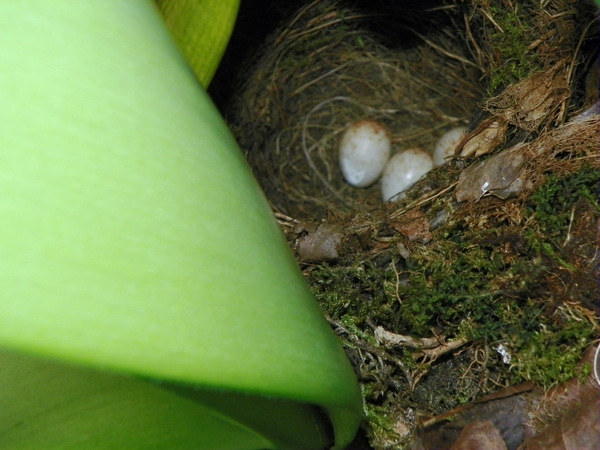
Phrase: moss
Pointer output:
(550, 354)
(381, 425)
(465, 285)
(512, 47)
(553, 203)
(490, 283)
(508, 40)
(450, 282)
(356, 293)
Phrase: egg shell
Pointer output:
(365, 148)
(404, 170)
(446, 145)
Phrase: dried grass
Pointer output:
(323, 71)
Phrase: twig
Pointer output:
(434, 353)
(397, 283)
(422, 201)
(545, 37)
(509, 392)
(568, 238)
(432, 348)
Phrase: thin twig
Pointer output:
(420, 202)
(513, 390)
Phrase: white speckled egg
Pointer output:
(404, 170)
(446, 145)
(365, 148)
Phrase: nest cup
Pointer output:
(332, 65)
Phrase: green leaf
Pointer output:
(53, 406)
(134, 237)
(202, 29)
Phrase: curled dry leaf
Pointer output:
(576, 430)
(481, 434)
(392, 339)
(403, 250)
(498, 175)
(485, 139)
(320, 245)
(528, 103)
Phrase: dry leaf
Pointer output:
(413, 225)
(528, 103)
(577, 407)
(578, 429)
(485, 139)
(478, 435)
(506, 414)
(544, 409)
(320, 245)
(574, 409)
(498, 175)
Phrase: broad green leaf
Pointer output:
(47, 405)
(134, 237)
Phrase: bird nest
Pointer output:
(485, 275)
(328, 68)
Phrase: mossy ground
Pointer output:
(507, 280)
(500, 281)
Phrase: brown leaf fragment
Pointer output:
(484, 139)
(413, 225)
(494, 175)
(577, 430)
(545, 408)
(528, 103)
(572, 409)
(320, 245)
(514, 188)
(478, 435)
(506, 414)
